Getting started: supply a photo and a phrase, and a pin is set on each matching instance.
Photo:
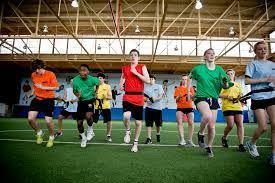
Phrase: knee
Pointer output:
(31, 119)
(263, 128)
(230, 126)
(207, 118)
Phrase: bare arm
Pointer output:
(109, 94)
(46, 87)
(121, 82)
(249, 81)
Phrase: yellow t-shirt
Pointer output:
(234, 92)
(102, 91)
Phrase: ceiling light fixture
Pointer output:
(231, 31)
(98, 47)
(198, 4)
(45, 28)
(75, 4)
(137, 29)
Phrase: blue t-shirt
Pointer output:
(154, 91)
(258, 69)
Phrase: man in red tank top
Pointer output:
(132, 82)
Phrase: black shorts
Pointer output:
(66, 114)
(232, 113)
(185, 110)
(84, 107)
(136, 111)
(262, 104)
(46, 106)
(212, 102)
(151, 116)
(106, 114)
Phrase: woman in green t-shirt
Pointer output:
(210, 78)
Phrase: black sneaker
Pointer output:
(224, 142)
(58, 134)
(148, 141)
(241, 148)
(158, 138)
(210, 153)
(201, 140)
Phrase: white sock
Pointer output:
(40, 132)
(51, 137)
(90, 128)
(83, 135)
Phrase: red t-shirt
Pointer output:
(133, 84)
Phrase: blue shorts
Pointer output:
(212, 102)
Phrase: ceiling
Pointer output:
(118, 18)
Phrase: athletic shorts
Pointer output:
(46, 106)
(232, 113)
(185, 110)
(136, 111)
(106, 114)
(66, 114)
(84, 107)
(262, 104)
(212, 102)
(151, 116)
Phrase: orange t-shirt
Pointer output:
(182, 103)
(47, 79)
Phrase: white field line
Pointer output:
(115, 144)
(5, 131)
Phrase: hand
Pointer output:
(121, 88)
(134, 71)
(230, 98)
(78, 94)
(270, 79)
(40, 86)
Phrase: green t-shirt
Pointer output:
(85, 87)
(209, 82)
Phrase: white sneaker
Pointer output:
(135, 148)
(190, 143)
(252, 149)
(182, 142)
(109, 139)
(127, 137)
(90, 135)
(83, 142)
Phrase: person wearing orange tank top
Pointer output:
(184, 107)
(45, 83)
(132, 82)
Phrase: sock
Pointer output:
(201, 133)
(83, 135)
(40, 132)
(90, 128)
(136, 142)
(51, 137)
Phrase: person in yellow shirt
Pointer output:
(232, 111)
(102, 104)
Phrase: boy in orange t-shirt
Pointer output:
(184, 107)
(44, 85)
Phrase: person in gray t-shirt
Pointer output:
(260, 74)
(153, 113)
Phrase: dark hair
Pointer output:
(165, 81)
(208, 50)
(100, 74)
(184, 75)
(84, 65)
(134, 50)
(38, 64)
(256, 45)
(152, 76)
